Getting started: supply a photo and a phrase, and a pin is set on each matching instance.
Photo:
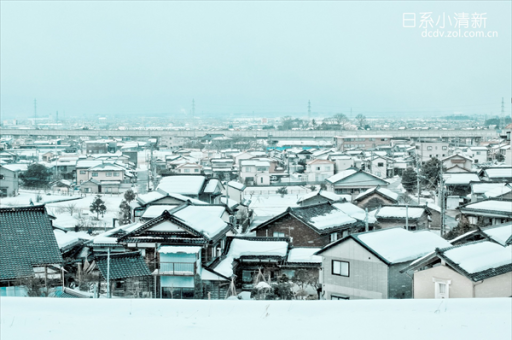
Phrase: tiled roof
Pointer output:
(27, 240)
(123, 265)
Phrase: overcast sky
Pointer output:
(144, 58)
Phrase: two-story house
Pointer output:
(318, 170)
(255, 172)
(367, 265)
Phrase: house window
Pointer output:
(318, 168)
(109, 174)
(340, 268)
(380, 164)
(442, 289)
(445, 147)
(116, 174)
(429, 148)
(82, 172)
(334, 237)
(261, 179)
(196, 170)
(339, 297)
(278, 234)
(94, 174)
(186, 170)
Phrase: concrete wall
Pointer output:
(498, 286)
(368, 275)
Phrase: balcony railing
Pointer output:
(173, 268)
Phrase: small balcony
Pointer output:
(173, 268)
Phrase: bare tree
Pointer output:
(340, 119)
(361, 121)
(71, 208)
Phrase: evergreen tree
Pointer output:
(124, 213)
(431, 172)
(37, 175)
(129, 195)
(98, 207)
(409, 179)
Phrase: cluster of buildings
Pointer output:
(211, 223)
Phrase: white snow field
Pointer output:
(84, 319)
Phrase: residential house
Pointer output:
(353, 181)
(457, 163)
(409, 217)
(235, 191)
(341, 161)
(479, 189)
(321, 196)
(28, 244)
(488, 212)
(380, 166)
(179, 244)
(245, 257)
(367, 265)
(476, 269)
(427, 150)
(310, 226)
(256, 172)
(9, 180)
(374, 198)
(496, 174)
(81, 167)
(459, 184)
(318, 170)
(478, 154)
(188, 168)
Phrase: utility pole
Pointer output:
(418, 178)
(366, 220)
(441, 194)
(35, 113)
(108, 273)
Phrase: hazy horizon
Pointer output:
(248, 58)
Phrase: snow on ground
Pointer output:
(65, 220)
(24, 197)
(64, 319)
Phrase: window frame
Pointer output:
(340, 274)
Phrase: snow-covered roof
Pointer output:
(236, 185)
(185, 185)
(65, 239)
(354, 211)
(205, 219)
(16, 167)
(499, 191)
(331, 219)
(500, 233)
(397, 245)
(383, 191)
(481, 187)
(499, 172)
(400, 212)
(480, 256)
(341, 175)
(211, 186)
(460, 179)
(304, 255)
(86, 164)
(245, 247)
(491, 205)
(327, 194)
(156, 210)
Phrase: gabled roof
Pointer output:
(413, 212)
(201, 221)
(456, 155)
(184, 185)
(331, 196)
(395, 245)
(323, 218)
(26, 240)
(123, 265)
(345, 174)
(478, 260)
(386, 193)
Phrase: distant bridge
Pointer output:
(260, 134)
